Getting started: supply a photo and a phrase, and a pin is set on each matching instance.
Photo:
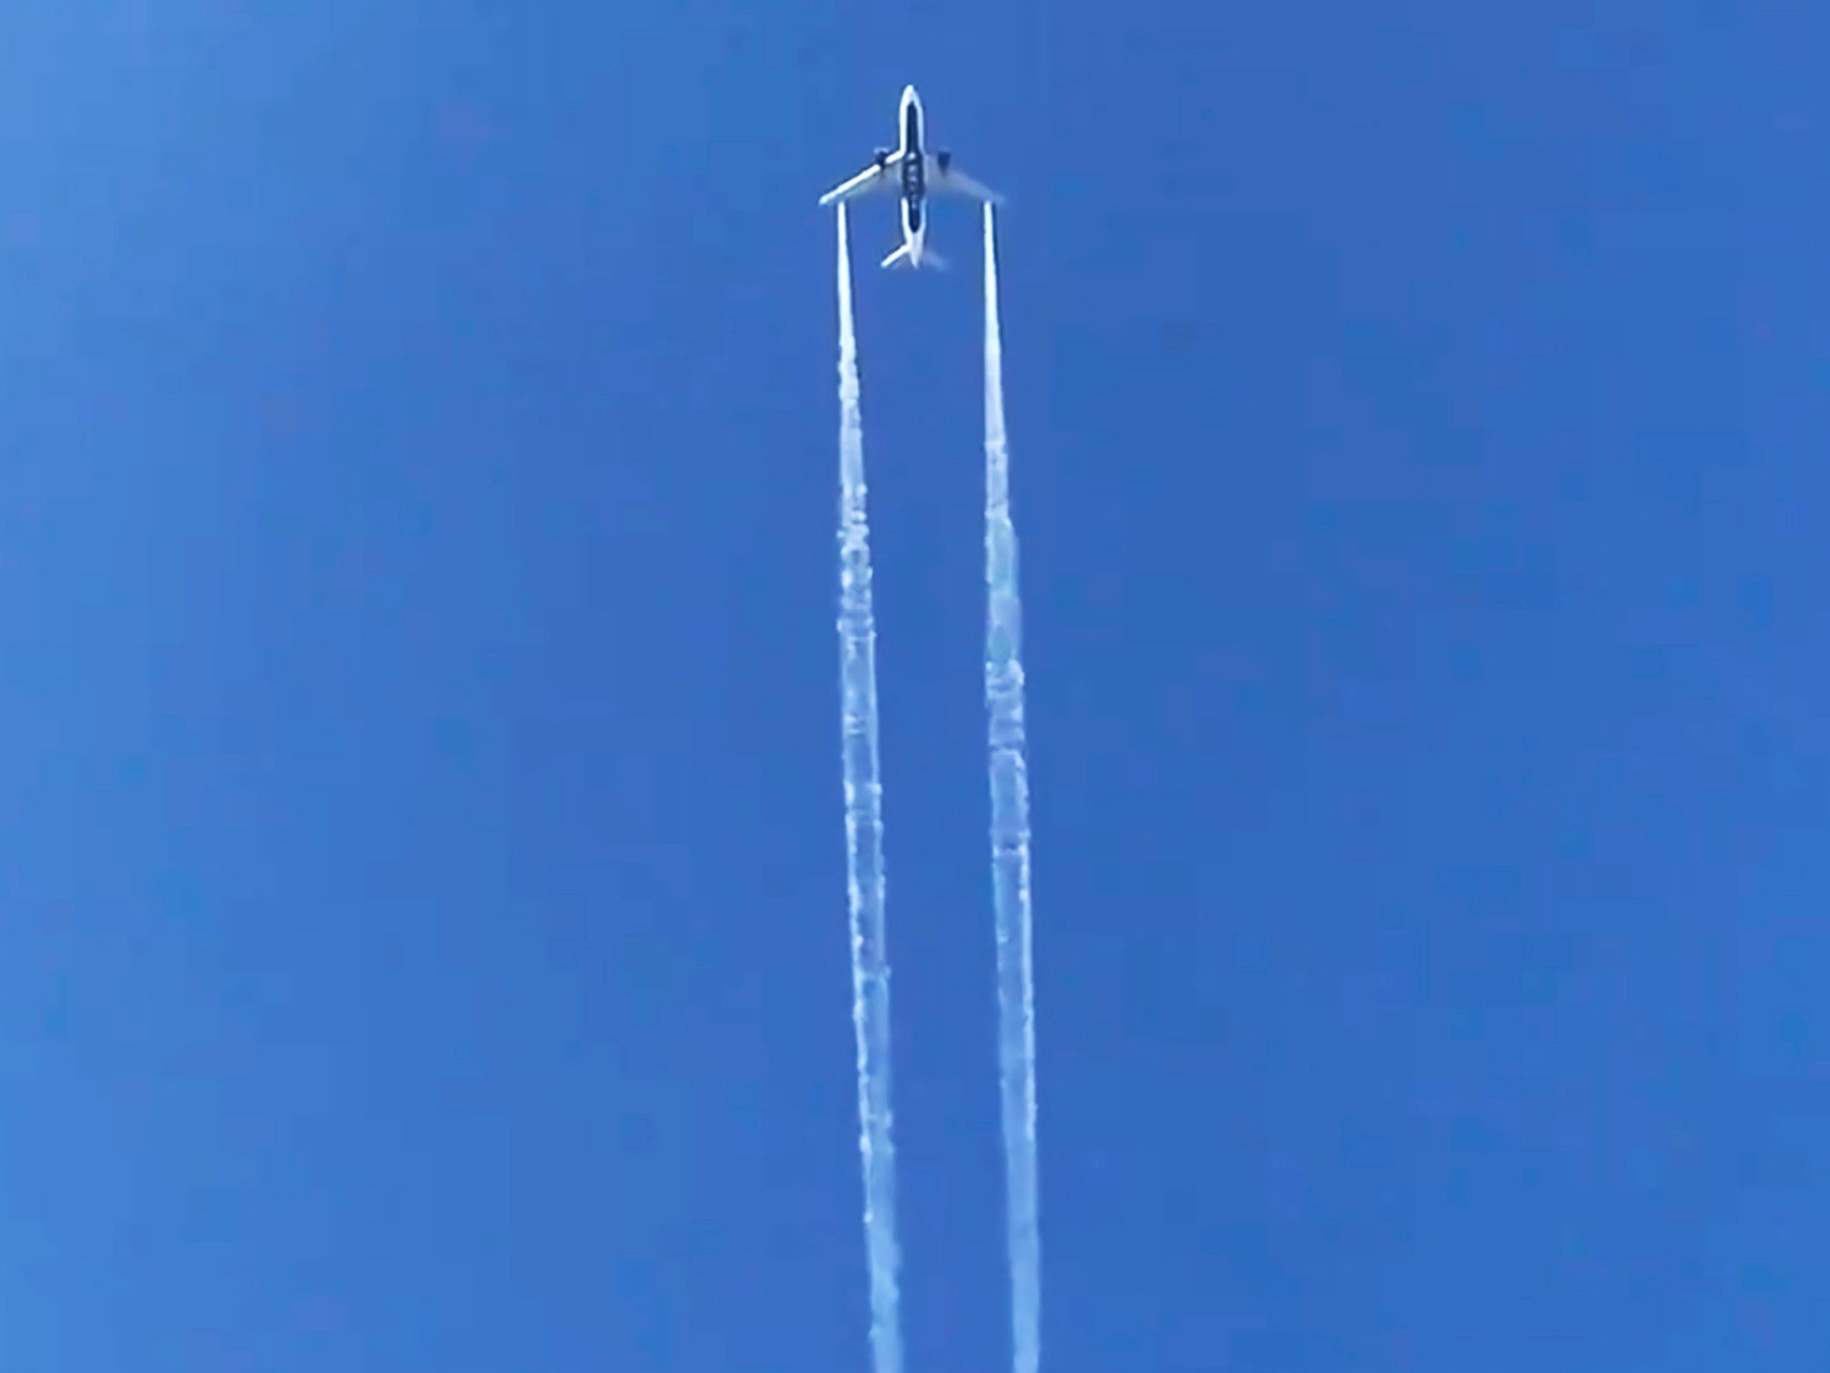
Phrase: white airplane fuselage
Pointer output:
(912, 165)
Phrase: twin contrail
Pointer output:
(870, 972)
(1010, 884)
(1010, 893)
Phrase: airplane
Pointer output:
(918, 174)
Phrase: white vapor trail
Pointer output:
(1010, 892)
(870, 973)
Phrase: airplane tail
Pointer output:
(900, 260)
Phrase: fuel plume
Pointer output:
(1010, 876)
(870, 972)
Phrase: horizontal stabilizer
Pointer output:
(900, 259)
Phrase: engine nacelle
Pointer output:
(881, 156)
(943, 157)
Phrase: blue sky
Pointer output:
(422, 925)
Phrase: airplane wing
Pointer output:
(872, 178)
(947, 178)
